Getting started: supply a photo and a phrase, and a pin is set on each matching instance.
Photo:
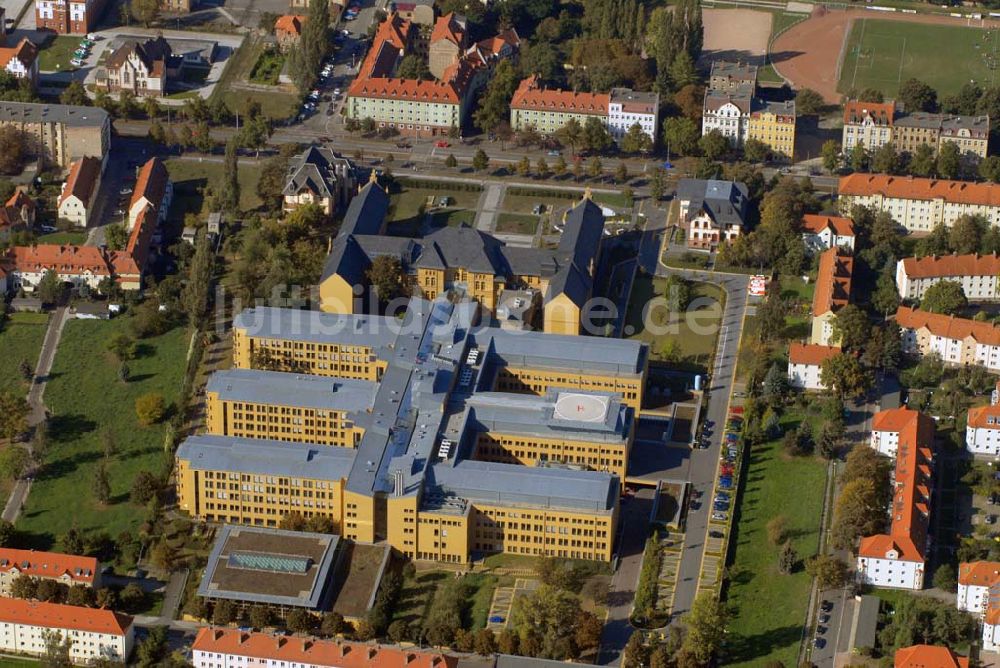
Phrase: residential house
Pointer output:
(959, 341)
(732, 76)
(712, 212)
(727, 112)
(68, 17)
(977, 274)
(897, 559)
(319, 176)
(928, 656)
(627, 107)
(868, 124)
(17, 212)
(832, 293)
(979, 593)
(60, 133)
(79, 191)
(982, 430)
(805, 363)
(288, 30)
(920, 204)
(820, 232)
(888, 425)
(141, 68)
(153, 189)
(66, 569)
(773, 124)
(21, 60)
(448, 42)
(970, 133)
(94, 633)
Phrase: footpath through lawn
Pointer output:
(21, 338)
(85, 396)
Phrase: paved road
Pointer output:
(50, 344)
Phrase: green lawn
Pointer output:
(693, 332)
(417, 593)
(882, 54)
(769, 608)
(513, 223)
(406, 205)
(74, 237)
(191, 177)
(7, 662)
(20, 339)
(84, 396)
(56, 56)
(526, 203)
(277, 104)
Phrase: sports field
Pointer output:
(882, 54)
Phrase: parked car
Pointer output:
(819, 643)
(440, 143)
(720, 505)
(716, 534)
(720, 516)
(826, 606)
(824, 618)
(731, 437)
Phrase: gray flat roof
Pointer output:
(318, 327)
(29, 112)
(292, 389)
(271, 566)
(563, 351)
(265, 457)
(506, 413)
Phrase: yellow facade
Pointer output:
(544, 532)
(280, 422)
(524, 380)
(533, 450)
(336, 295)
(319, 359)
(240, 498)
(443, 536)
(775, 130)
(360, 517)
(561, 316)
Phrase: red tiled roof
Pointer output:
(909, 187)
(447, 28)
(898, 419)
(948, 326)
(816, 223)
(25, 52)
(10, 212)
(63, 259)
(929, 656)
(83, 176)
(151, 184)
(833, 282)
(979, 573)
(979, 417)
(812, 354)
(58, 616)
(316, 652)
(911, 495)
(132, 261)
(48, 564)
(532, 95)
(933, 266)
(289, 24)
(882, 112)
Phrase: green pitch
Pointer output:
(882, 54)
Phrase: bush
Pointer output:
(645, 591)
(150, 408)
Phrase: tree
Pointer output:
(153, 648)
(808, 102)
(542, 169)
(831, 155)
(945, 297)
(858, 512)
(989, 168)
(124, 372)
(480, 161)
(885, 159)
(50, 287)
(387, 278)
(681, 135)
(949, 161)
(917, 96)
(635, 654)
(595, 136)
(132, 597)
(14, 462)
(413, 66)
(451, 162)
(508, 643)
(195, 296)
(885, 298)
(755, 150)
(857, 159)
(485, 643)
(922, 161)
(105, 598)
(658, 183)
(57, 646)
(843, 375)
(706, 628)
(228, 198)
(300, 621)
(102, 483)
(787, 558)
(75, 94)
(683, 71)
(636, 140)
(577, 169)
(145, 11)
(8, 533)
(150, 408)
(559, 167)
(13, 150)
(494, 104)
(571, 134)
(851, 327)
(594, 167)
(332, 624)
(122, 346)
(524, 166)
(14, 410)
(224, 612)
(115, 236)
(144, 487)
(713, 144)
(547, 618)
(829, 571)
(24, 587)
(777, 529)
(771, 316)
(81, 596)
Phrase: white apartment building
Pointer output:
(978, 275)
(868, 124)
(805, 362)
(979, 594)
(821, 232)
(628, 107)
(79, 191)
(66, 569)
(729, 113)
(153, 189)
(94, 633)
(958, 341)
(920, 204)
(888, 425)
(982, 431)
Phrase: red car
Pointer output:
(736, 410)
(442, 144)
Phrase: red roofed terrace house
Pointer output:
(79, 192)
(67, 569)
(928, 656)
(833, 292)
(21, 60)
(979, 593)
(805, 363)
(896, 559)
(821, 233)
(424, 108)
(978, 275)
(95, 633)
(958, 341)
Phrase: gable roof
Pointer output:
(289, 24)
(80, 570)
(928, 656)
(882, 113)
(816, 223)
(153, 53)
(83, 176)
(12, 212)
(979, 573)
(151, 184)
(911, 187)
(59, 616)
(810, 354)
(367, 211)
(449, 28)
(833, 282)
(934, 266)
(948, 326)
(984, 417)
(63, 259)
(25, 52)
(314, 170)
(725, 202)
(531, 94)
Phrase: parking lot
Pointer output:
(503, 602)
(672, 547)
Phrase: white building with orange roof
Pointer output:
(928, 656)
(77, 265)
(868, 124)
(821, 232)
(979, 593)
(805, 362)
(95, 633)
(67, 569)
(959, 341)
(890, 426)
(977, 274)
(920, 204)
(21, 60)
(832, 293)
(79, 191)
(153, 189)
(982, 430)
(231, 648)
(18, 211)
(896, 559)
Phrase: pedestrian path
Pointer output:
(488, 205)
